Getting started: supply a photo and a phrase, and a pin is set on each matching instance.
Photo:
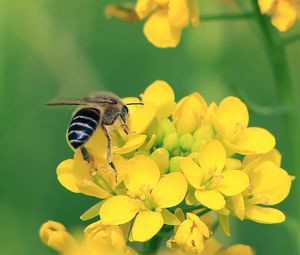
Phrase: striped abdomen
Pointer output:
(82, 126)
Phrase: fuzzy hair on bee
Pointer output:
(102, 110)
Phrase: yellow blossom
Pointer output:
(99, 181)
(149, 196)
(103, 239)
(284, 12)
(269, 185)
(166, 19)
(98, 239)
(230, 120)
(210, 181)
(190, 235)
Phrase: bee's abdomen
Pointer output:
(82, 126)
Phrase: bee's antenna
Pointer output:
(136, 103)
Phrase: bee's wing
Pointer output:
(80, 101)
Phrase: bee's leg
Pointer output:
(124, 126)
(85, 154)
(87, 157)
(109, 150)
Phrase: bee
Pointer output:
(100, 110)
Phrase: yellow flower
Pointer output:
(55, 235)
(230, 120)
(190, 235)
(284, 12)
(149, 197)
(166, 19)
(190, 113)
(210, 181)
(99, 181)
(103, 239)
(269, 185)
(98, 239)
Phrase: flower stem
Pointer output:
(228, 16)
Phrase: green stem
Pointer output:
(152, 246)
(290, 97)
(229, 16)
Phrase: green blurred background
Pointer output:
(51, 48)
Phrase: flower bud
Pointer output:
(161, 158)
(165, 128)
(190, 113)
(197, 145)
(175, 164)
(171, 142)
(55, 235)
(204, 132)
(191, 233)
(186, 142)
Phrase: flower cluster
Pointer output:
(165, 19)
(184, 169)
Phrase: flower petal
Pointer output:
(266, 5)
(212, 199)
(264, 215)
(169, 218)
(66, 176)
(273, 155)
(118, 210)
(170, 190)
(141, 172)
(146, 225)
(159, 31)
(253, 140)
(231, 117)
(270, 182)
(237, 205)
(224, 223)
(233, 182)
(285, 15)
(203, 229)
(236, 249)
(183, 232)
(144, 7)
(178, 13)
(140, 117)
(162, 96)
(134, 142)
(192, 172)
(212, 157)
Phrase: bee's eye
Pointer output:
(124, 113)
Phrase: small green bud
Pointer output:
(171, 142)
(161, 158)
(186, 142)
(165, 128)
(175, 164)
(194, 156)
(204, 132)
(198, 144)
